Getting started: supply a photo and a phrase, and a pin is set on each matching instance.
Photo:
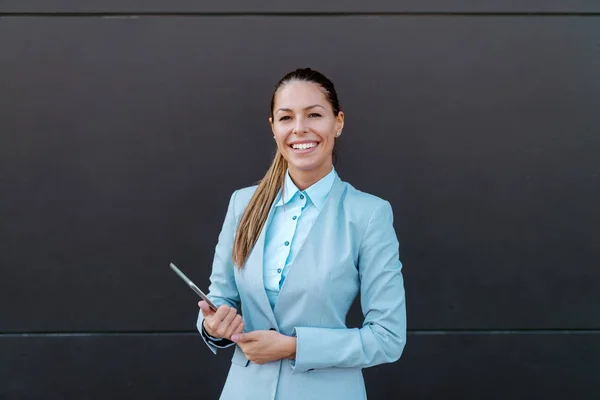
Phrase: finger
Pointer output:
(234, 326)
(211, 322)
(229, 318)
(245, 337)
(207, 328)
(206, 310)
(240, 329)
(221, 312)
(223, 326)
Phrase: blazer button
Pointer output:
(310, 369)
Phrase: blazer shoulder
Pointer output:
(363, 200)
(241, 198)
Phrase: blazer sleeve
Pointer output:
(382, 337)
(222, 289)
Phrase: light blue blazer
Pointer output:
(352, 248)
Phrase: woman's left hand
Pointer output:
(262, 347)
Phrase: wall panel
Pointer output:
(123, 139)
(308, 6)
(466, 366)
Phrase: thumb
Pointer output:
(206, 310)
(243, 337)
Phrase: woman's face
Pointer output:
(305, 127)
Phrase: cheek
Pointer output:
(329, 136)
(280, 140)
(280, 134)
(327, 130)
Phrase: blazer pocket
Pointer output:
(322, 370)
(239, 358)
(333, 370)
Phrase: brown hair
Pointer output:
(257, 211)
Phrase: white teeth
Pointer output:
(304, 146)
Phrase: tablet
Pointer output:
(193, 287)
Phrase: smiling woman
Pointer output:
(294, 252)
(306, 126)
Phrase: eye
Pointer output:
(313, 115)
(284, 118)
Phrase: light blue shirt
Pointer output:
(293, 217)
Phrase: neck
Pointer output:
(305, 179)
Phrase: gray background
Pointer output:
(126, 125)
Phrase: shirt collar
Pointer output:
(317, 192)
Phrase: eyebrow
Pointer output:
(305, 108)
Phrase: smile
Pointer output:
(305, 147)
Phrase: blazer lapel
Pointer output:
(307, 257)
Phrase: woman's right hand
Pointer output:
(221, 323)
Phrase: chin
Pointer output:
(306, 166)
(306, 163)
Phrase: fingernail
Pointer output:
(235, 337)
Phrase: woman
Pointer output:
(294, 252)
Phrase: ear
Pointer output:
(271, 124)
(339, 123)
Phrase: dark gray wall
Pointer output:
(125, 126)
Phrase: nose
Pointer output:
(300, 127)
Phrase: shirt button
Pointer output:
(287, 243)
(294, 217)
(278, 270)
(301, 197)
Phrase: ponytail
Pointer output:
(257, 211)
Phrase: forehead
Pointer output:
(299, 95)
